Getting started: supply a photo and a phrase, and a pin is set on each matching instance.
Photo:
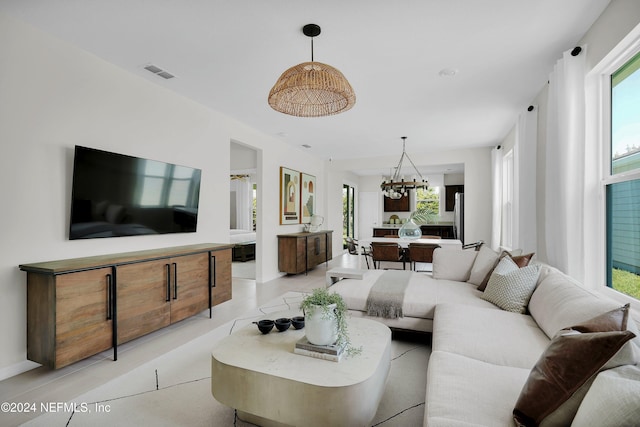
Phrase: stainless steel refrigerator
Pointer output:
(458, 217)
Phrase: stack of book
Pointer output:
(326, 352)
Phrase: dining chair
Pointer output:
(383, 251)
(421, 252)
(352, 247)
(475, 245)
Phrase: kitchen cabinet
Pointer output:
(450, 196)
(396, 205)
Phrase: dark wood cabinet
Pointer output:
(444, 231)
(384, 231)
(77, 307)
(221, 276)
(300, 252)
(396, 205)
(450, 196)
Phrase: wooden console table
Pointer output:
(300, 252)
(80, 307)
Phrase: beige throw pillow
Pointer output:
(510, 287)
(452, 264)
(603, 408)
(483, 265)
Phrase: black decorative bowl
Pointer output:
(298, 322)
(283, 324)
(265, 326)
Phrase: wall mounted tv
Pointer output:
(117, 195)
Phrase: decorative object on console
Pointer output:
(315, 224)
(289, 196)
(396, 187)
(326, 319)
(312, 89)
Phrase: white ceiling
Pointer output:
(228, 54)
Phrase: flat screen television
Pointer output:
(117, 195)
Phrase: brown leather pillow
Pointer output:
(520, 260)
(563, 374)
(614, 320)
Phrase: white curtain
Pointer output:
(565, 156)
(496, 183)
(525, 218)
(244, 200)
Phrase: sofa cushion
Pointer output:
(520, 260)
(483, 265)
(559, 302)
(462, 391)
(558, 382)
(602, 408)
(493, 336)
(451, 264)
(510, 287)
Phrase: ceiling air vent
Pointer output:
(159, 71)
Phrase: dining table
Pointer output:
(404, 243)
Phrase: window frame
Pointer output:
(598, 142)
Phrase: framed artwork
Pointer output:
(307, 197)
(289, 196)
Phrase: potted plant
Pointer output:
(326, 319)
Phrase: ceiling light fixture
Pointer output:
(395, 187)
(312, 89)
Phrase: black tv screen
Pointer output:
(118, 195)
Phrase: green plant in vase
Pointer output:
(326, 320)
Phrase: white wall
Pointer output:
(54, 96)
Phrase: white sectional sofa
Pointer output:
(483, 356)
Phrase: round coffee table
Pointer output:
(269, 385)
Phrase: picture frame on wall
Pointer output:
(308, 192)
(289, 196)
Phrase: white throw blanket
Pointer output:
(387, 294)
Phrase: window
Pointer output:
(429, 198)
(348, 213)
(507, 200)
(623, 182)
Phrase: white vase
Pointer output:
(321, 328)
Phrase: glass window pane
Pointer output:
(153, 168)
(625, 117)
(623, 237)
(429, 198)
(151, 192)
(179, 192)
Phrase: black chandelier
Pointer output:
(395, 187)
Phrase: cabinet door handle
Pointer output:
(213, 271)
(175, 280)
(168, 267)
(109, 293)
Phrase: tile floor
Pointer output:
(44, 385)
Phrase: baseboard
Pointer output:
(17, 369)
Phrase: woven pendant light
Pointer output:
(312, 89)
